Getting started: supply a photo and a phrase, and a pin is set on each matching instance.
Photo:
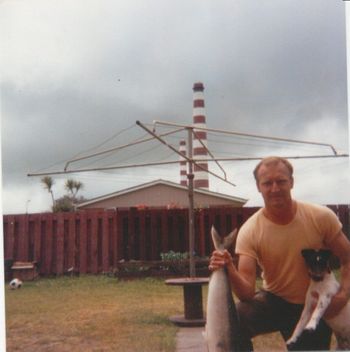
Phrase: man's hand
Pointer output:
(340, 247)
(242, 279)
(338, 301)
(220, 259)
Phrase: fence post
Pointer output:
(93, 243)
(10, 238)
(164, 230)
(154, 255)
(201, 231)
(83, 243)
(71, 244)
(106, 245)
(142, 234)
(120, 236)
(23, 239)
(37, 238)
(47, 250)
(60, 244)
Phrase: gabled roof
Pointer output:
(161, 182)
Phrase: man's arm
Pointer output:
(340, 247)
(243, 279)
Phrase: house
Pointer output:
(160, 193)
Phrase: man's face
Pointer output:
(275, 184)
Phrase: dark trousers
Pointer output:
(269, 313)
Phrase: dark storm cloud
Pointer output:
(74, 75)
(289, 68)
(46, 135)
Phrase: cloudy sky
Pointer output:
(77, 75)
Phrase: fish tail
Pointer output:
(221, 243)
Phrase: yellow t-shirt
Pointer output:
(276, 248)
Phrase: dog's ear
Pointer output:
(306, 253)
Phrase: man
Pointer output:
(273, 238)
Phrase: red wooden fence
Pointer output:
(94, 241)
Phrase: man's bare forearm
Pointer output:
(242, 287)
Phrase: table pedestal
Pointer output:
(193, 302)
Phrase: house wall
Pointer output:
(160, 196)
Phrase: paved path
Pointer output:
(190, 339)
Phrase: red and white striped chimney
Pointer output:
(201, 179)
(183, 164)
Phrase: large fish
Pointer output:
(221, 330)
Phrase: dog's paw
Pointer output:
(290, 341)
(311, 326)
(291, 345)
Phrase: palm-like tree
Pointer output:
(78, 185)
(70, 185)
(73, 187)
(48, 183)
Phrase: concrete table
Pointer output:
(193, 302)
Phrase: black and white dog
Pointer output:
(323, 286)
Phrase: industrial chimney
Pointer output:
(201, 179)
(183, 164)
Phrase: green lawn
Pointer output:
(91, 313)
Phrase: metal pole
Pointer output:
(247, 135)
(57, 172)
(117, 148)
(190, 177)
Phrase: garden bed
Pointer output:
(160, 268)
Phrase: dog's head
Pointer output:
(317, 262)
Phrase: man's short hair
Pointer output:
(273, 160)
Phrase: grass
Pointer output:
(99, 313)
(91, 313)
